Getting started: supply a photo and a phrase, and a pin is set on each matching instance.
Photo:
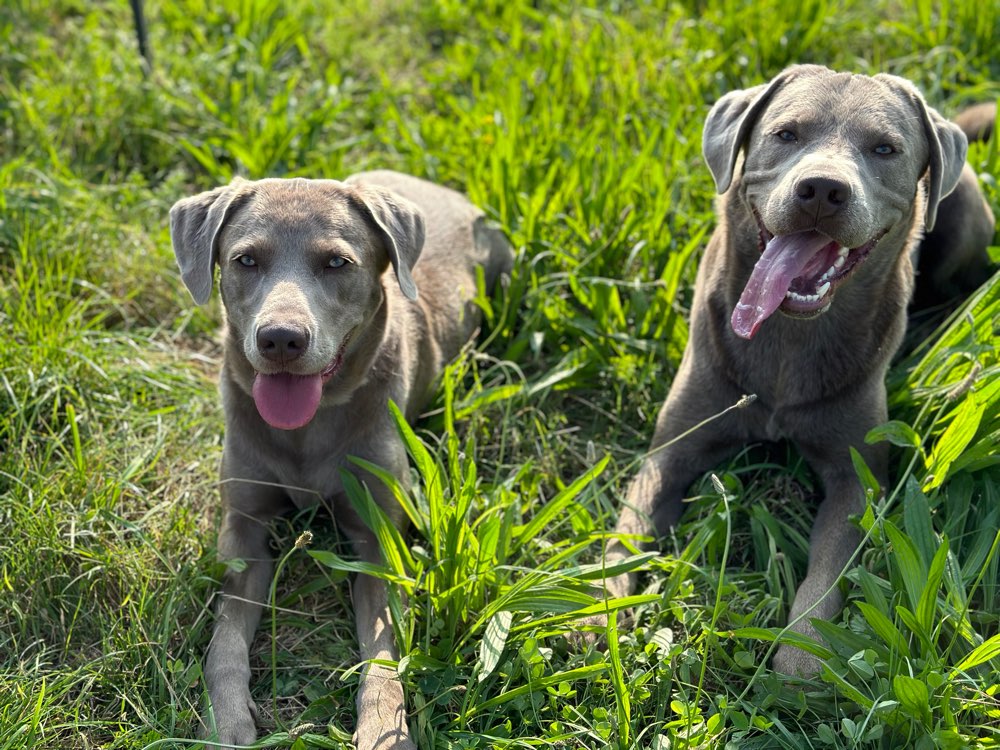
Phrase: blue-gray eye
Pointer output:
(787, 135)
(337, 262)
(247, 261)
(884, 149)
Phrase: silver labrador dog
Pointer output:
(828, 182)
(319, 281)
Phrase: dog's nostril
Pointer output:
(282, 343)
(823, 190)
(806, 191)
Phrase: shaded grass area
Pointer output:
(578, 129)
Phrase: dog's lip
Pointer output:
(334, 367)
(815, 292)
(326, 373)
(338, 359)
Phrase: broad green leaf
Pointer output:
(491, 648)
(895, 432)
(622, 701)
(581, 673)
(789, 637)
(981, 654)
(600, 571)
(913, 624)
(841, 638)
(402, 497)
(913, 697)
(868, 480)
(553, 599)
(483, 398)
(884, 629)
(395, 550)
(907, 562)
(847, 689)
(335, 562)
(927, 606)
(954, 440)
(917, 521)
(430, 470)
(872, 589)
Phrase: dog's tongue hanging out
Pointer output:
(287, 401)
(784, 258)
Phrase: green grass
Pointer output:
(578, 129)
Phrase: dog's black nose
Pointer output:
(282, 343)
(822, 192)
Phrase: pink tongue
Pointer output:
(783, 259)
(287, 401)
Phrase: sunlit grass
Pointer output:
(578, 129)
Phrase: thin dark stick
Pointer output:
(141, 34)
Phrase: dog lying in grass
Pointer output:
(320, 335)
(830, 184)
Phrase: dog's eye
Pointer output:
(246, 261)
(884, 149)
(786, 135)
(337, 262)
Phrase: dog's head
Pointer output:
(301, 275)
(832, 164)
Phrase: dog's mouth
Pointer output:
(288, 401)
(796, 273)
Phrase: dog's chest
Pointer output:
(307, 465)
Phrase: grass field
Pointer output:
(578, 129)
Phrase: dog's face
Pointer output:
(301, 275)
(832, 165)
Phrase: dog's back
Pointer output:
(446, 272)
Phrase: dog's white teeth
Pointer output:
(795, 296)
(837, 265)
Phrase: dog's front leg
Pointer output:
(243, 544)
(381, 707)
(680, 453)
(834, 540)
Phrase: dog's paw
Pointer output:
(394, 736)
(235, 723)
(591, 632)
(795, 662)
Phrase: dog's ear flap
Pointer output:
(195, 224)
(946, 144)
(401, 226)
(948, 147)
(731, 120)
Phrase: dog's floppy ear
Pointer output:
(401, 226)
(732, 118)
(948, 147)
(195, 224)
(946, 144)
